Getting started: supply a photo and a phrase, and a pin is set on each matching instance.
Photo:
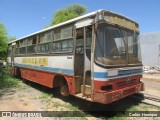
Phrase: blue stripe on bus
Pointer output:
(57, 70)
(100, 75)
(126, 72)
(71, 72)
(120, 73)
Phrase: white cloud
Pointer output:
(43, 17)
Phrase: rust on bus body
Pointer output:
(46, 78)
(109, 97)
(117, 83)
(120, 89)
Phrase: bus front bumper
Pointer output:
(109, 97)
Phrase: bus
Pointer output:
(95, 57)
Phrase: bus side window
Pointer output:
(88, 42)
(63, 39)
(31, 45)
(67, 45)
(9, 50)
(63, 46)
(22, 46)
(44, 44)
(79, 42)
(17, 48)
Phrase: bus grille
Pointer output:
(126, 83)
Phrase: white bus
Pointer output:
(94, 57)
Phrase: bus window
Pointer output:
(67, 45)
(63, 33)
(17, 48)
(66, 32)
(57, 34)
(45, 42)
(9, 50)
(31, 45)
(63, 40)
(79, 42)
(22, 46)
(88, 37)
(63, 46)
(56, 46)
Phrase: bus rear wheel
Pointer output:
(64, 90)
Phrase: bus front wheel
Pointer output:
(64, 90)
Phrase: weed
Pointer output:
(22, 87)
(45, 96)
(25, 103)
(132, 108)
(56, 104)
(6, 79)
(72, 108)
(20, 95)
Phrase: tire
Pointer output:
(64, 90)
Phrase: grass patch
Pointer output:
(45, 96)
(6, 79)
(25, 103)
(56, 104)
(22, 86)
(21, 96)
(72, 108)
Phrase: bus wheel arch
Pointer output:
(17, 72)
(62, 83)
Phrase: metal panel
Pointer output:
(84, 23)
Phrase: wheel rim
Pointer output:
(64, 90)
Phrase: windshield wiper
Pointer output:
(121, 34)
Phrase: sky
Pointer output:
(23, 17)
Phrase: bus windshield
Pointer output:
(117, 46)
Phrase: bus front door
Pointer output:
(82, 62)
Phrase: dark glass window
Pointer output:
(63, 46)
(44, 48)
(22, 47)
(17, 48)
(63, 39)
(44, 45)
(117, 46)
(9, 52)
(63, 33)
(31, 45)
(22, 50)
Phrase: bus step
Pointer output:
(87, 89)
(79, 95)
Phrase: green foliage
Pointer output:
(68, 13)
(11, 38)
(3, 38)
(6, 79)
(3, 41)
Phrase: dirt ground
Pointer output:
(33, 97)
(152, 84)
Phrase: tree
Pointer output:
(3, 41)
(68, 13)
(11, 38)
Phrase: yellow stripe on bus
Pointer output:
(35, 61)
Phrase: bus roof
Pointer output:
(70, 21)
